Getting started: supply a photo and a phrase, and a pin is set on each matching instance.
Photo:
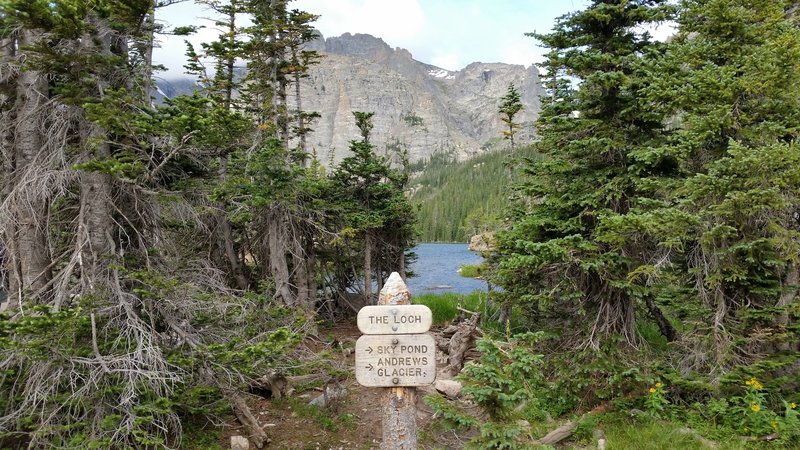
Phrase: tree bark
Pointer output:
(666, 328)
(147, 55)
(95, 223)
(279, 269)
(399, 419)
(368, 267)
(300, 263)
(401, 262)
(237, 267)
(301, 126)
(29, 252)
(790, 285)
(311, 263)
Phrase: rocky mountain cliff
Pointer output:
(417, 106)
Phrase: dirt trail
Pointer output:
(351, 423)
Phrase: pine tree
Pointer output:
(728, 86)
(125, 314)
(375, 207)
(510, 105)
(556, 260)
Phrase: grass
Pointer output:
(445, 306)
(471, 270)
(325, 418)
(201, 435)
(623, 433)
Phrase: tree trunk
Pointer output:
(300, 274)
(789, 295)
(666, 328)
(401, 262)
(301, 126)
(147, 55)
(311, 264)
(95, 222)
(400, 403)
(399, 419)
(379, 271)
(279, 268)
(7, 97)
(29, 252)
(368, 267)
(237, 268)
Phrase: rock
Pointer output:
(330, 396)
(425, 390)
(394, 291)
(239, 443)
(482, 242)
(422, 108)
(418, 107)
(450, 388)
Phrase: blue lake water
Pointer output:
(436, 269)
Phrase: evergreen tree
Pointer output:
(119, 315)
(376, 207)
(729, 234)
(555, 259)
(510, 105)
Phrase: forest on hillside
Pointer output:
(160, 261)
(458, 200)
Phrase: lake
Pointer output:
(436, 269)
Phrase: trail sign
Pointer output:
(394, 319)
(395, 360)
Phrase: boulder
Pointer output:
(482, 242)
(450, 388)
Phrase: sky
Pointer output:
(446, 33)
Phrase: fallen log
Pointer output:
(247, 419)
(559, 434)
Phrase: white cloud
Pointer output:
(394, 21)
(446, 33)
(449, 61)
(520, 52)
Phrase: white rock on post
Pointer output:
(394, 292)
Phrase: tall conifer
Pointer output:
(554, 259)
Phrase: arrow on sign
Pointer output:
(370, 366)
(369, 350)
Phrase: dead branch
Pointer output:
(461, 342)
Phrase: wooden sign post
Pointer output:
(394, 353)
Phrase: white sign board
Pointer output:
(395, 360)
(394, 319)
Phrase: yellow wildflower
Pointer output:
(793, 405)
(755, 383)
(652, 390)
(775, 426)
(658, 385)
(755, 407)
